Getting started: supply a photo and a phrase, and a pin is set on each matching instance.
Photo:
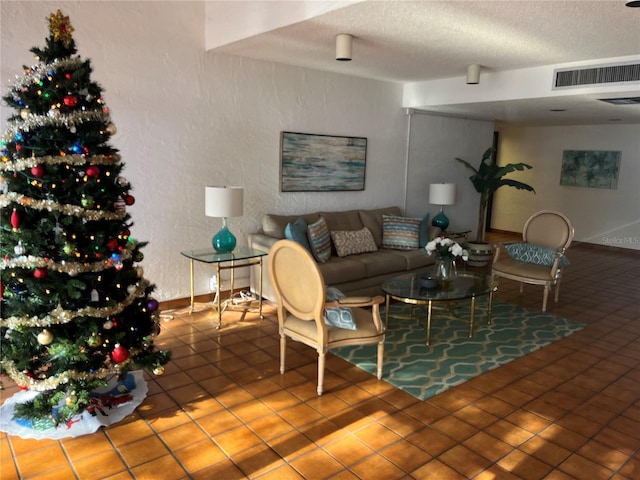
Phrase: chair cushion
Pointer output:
(340, 317)
(400, 233)
(297, 231)
(536, 254)
(319, 240)
(353, 242)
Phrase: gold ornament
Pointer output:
(94, 340)
(71, 399)
(60, 27)
(159, 370)
(45, 337)
(111, 129)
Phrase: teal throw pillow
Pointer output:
(537, 254)
(339, 317)
(423, 235)
(319, 240)
(297, 231)
(400, 233)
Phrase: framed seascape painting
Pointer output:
(590, 168)
(320, 163)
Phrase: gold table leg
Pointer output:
(191, 296)
(386, 311)
(260, 292)
(490, 307)
(429, 305)
(218, 303)
(472, 315)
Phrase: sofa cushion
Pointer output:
(372, 219)
(400, 233)
(339, 270)
(274, 225)
(340, 317)
(347, 220)
(353, 242)
(536, 254)
(319, 240)
(413, 259)
(297, 231)
(381, 263)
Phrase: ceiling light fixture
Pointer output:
(473, 74)
(633, 3)
(343, 47)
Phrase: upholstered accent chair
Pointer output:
(301, 302)
(539, 259)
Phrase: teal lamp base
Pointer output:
(224, 241)
(440, 220)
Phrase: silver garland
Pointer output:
(52, 206)
(25, 163)
(59, 120)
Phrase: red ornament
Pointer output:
(129, 200)
(38, 171)
(112, 244)
(70, 100)
(1, 289)
(15, 219)
(93, 171)
(40, 273)
(119, 354)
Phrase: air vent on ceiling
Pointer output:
(596, 75)
(622, 101)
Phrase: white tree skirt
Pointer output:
(109, 405)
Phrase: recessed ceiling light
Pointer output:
(558, 110)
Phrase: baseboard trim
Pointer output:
(186, 301)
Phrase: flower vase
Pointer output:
(446, 271)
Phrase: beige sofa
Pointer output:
(360, 274)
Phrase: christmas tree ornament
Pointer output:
(95, 297)
(38, 171)
(111, 129)
(71, 400)
(94, 340)
(45, 337)
(19, 248)
(108, 325)
(138, 256)
(70, 100)
(87, 202)
(40, 273)
(68, 248)
(112, 244)
(152, 305)
(2, 292)
(93, 171)
(159, 370)
(129, 200)
(119, 353)
(15, 219)
(24, 113)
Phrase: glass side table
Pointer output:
(238, 258)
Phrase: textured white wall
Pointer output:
(600, 216)
(187, 118)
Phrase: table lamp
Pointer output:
(442, 194)
(223, 202)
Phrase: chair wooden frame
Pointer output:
(301, 300)
(546, 228)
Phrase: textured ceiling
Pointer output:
(414, 41)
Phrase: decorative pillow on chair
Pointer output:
(400, 233)
(531, 253)
(340, 317)
(297, 231)
(319, 240)
(352, 242)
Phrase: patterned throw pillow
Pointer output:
(531, 253)
(400, 233)
(340, 317)
(319, 240)
(353, 242)
(297, 231)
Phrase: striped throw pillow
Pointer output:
(320, 240)
(400, 233)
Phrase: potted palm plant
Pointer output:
(486, 179)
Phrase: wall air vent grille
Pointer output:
(596, 75)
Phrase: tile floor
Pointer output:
(222, 410)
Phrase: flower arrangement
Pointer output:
(444, 247)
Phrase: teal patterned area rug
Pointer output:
(453, 357)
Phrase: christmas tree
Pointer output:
(75, 307)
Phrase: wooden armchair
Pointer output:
(539, 259)
(301, 302)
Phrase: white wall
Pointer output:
(434, 144)
(187, 118)
(600, 216)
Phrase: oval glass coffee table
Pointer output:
(408, 289)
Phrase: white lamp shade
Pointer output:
(442, 193)
(223, 201)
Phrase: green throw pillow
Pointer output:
(297, 231)
(537, 254)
